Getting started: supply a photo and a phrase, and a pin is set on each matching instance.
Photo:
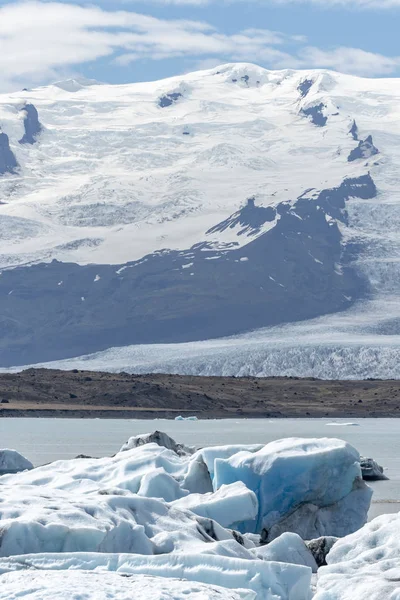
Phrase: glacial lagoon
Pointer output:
(46, 440)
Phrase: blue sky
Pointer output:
(124, 40)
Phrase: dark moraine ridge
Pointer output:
(289, 273)
(41, 392)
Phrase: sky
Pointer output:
(123, 41)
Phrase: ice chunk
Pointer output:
(320, 548)
(229, 505)
(371, 471)
(364, 565)
(288, 548)
(212, 453)
(12, 461)
(158, 484)
(309, 486)
(158, 437)
(180, 418)
(197, 479)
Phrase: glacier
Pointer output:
(110, 202)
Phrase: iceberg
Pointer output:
(312, 487)
(233, 517)
(12, 461)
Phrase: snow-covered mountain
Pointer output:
(197, 207)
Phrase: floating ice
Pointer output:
(157, 508)
(12, 461)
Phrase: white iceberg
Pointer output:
(364, 565)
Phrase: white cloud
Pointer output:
(40, 40)
(350, 60)
(346, 4)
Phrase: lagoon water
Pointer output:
(46, 440)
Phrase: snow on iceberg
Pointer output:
(364, 565)
(308, 486)
(65, 585)
(12, 461)
(262, 580)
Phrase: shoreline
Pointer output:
(85, 394)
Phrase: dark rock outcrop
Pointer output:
(8, 162)
(305, 86)
(354, 131)
(365, 149)
(32, 125)
(250, 219)
(169, 99)
(316, 114)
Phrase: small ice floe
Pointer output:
(180, 418)
(339, 424)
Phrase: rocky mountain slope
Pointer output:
(193, 208)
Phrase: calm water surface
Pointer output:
(46, 440)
